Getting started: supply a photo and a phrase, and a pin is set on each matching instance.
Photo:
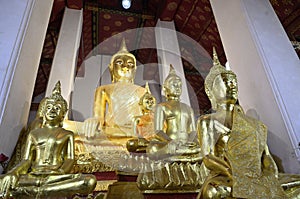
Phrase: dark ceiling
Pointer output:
(193, 18)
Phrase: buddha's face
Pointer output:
(123, 68)
(54, 111)
(173, 88)
(225, 88)
(148, 102)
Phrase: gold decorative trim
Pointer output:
(103, 185)
(157, 191)
(296, 45)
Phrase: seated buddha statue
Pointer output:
(48, 157)
(174, 125)
(143, 125)
(234, 145)
(116, 104)
(174, 155)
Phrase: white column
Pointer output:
(23, 27)
(65, 57)
(168, 52)
(268, 71)
(84, 87)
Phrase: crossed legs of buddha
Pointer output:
(54, 185)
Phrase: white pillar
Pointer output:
(168, 52)
(23, 27)
(268, 71)
(84, 87)
(65, 57)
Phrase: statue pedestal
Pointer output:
(160, 177)
(125, 188)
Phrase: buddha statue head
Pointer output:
(172, 86)
(220, 84)
(147, 101)
(122, 66)
(55, 107)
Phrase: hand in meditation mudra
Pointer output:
(234, 145)
(174, 125)
(48, 157)
(116, 104)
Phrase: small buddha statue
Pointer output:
(48, 157)
(234, 145)
(143, 125)
(116, 104)
(174, 125)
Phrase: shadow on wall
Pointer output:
(279, 142)
(77, 115)
(252, 113)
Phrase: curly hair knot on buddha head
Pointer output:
(55, 96)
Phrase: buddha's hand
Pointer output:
(91, 127)
(188, 148)
(7, 183)
(217, 164)
(171, 147)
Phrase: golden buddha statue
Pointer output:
(48, 157)
(234, 145)
(143, 125)
(101, 140)
(174, 156)
(174, 125)
(116, 104)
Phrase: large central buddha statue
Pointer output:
(116, 104)
(101, 139)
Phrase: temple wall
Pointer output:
(23, 28)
